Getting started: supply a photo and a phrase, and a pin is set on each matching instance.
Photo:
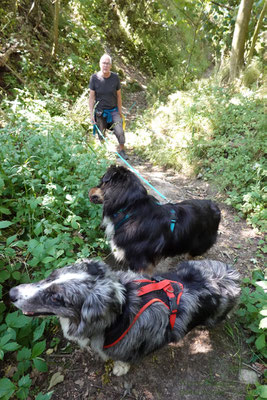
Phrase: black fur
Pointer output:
(141, 227)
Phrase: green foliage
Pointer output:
(252, 311)
(216, 133)
(252, 314)
(47, 166)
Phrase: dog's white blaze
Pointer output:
(70, 276)
(119, 253)
(30, 290)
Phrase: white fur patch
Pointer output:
(30, 290)
(120, 368)
(118, 253)
(64, 322)
(109, 227)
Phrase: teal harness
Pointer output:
(127, 216)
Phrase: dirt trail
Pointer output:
(206, 363)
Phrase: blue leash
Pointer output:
(132, 168)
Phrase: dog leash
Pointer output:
(131, 167)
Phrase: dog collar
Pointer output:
(127, 216)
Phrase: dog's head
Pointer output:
(76, 292)
(118, 185)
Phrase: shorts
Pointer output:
(116, 126)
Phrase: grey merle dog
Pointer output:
(116, 313)
(141, 231)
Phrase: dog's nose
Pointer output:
(94, 199)
(13, 294)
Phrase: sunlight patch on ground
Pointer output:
(201, 344)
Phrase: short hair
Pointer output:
(105, 55)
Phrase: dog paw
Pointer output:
(120, 368)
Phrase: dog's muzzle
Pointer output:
(95, 196)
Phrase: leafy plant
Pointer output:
(47, 221)
(252, 311)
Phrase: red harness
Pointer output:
(149, 286)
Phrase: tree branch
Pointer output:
(222, 5)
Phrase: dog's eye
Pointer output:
(56, 298)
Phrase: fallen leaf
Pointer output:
(56, 378)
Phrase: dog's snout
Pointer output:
(13, 294)
(95, 196)
(93, 199)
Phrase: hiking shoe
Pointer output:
(123, 155)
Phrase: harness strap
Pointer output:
(134, 320)
(165, 285)
(173, 220)
(121, 222)
(127, 216)
(155, 285)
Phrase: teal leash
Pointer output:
(131, 167)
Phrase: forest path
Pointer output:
(205, 365)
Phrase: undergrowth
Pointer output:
(216, 133)
(47, 165)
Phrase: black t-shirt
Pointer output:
(105, 90)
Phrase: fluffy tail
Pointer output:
(215, 284)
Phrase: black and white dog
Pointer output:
(120, 316)
(141, 231)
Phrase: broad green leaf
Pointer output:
(39, 331)
(47, 260)
(25, 381)
(11, 239)
(260, 342)
(22, 393)
(4, 339)
(42, 396)
(33, 262)
(5, 224)
(38, 251)
(23, 366)
(12, 346)
(40, 365)
(4, 275)
(263, 391)
(74, 224)
(7, 388)
(38, 348)
(4, 210)
(16, 320)
(1, 354)
(24, 354)
(16, 275)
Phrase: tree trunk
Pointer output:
(239, 38)
(256, 32)
(55, 33)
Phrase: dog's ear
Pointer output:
(93, 309)
(111, 172)
(96, 268)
